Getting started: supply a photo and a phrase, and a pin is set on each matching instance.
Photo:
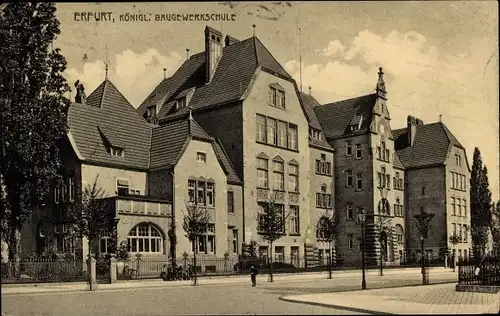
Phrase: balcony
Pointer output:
(140, 205)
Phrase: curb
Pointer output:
(350, 309)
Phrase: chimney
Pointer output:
(411, 129)
(164, 73)
(213, 51)
(80, 93)
(310, 90)
(187, 53)
(229, 40)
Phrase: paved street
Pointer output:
(228, 298)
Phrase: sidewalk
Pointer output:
(26, 288)
(429, 299)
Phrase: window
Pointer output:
(262, 206)
(384, 179)
(464, 204)
(358, 151)
(151, 111)
(117, 152)
(235, 241)
(314, 133)
(348, 148)
(276, 132)
(453, 210)
(206, 242)
(122, 187)
(454, 229)
(63, 191)
(349, 209)
(323, 200)
(359, 182)
(262, 173)
(71, 189)
(261, 128)
(277, 97)
(459, 206)
(457, 160)
(292, 137)
(294, 220)
(279, 175)
(202, 157)
(191, 190)
(348, 178)
(180, 103)
(104, 241)
(57, 193)
(135, 192)
(271, 131)
(293, 178)
(145, 238)
(282, 126)
(323, 167)
(210, 194)
(320, 233)
(398, 182)
(399, 233)
(200, 193)
(349, 241)
(466, 238)
(398, 208)
(230, 201)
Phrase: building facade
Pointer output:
(230, 131)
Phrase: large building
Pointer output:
(230, 131)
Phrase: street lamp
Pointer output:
(362, 221)
(423, 220)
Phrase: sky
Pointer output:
(439, 58)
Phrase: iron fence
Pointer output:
(34, 270)
(479, 271)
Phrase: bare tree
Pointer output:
(90, 217)
(271, 225)
(383, 227)
(194, 222)
(454, 240)
(329, 229)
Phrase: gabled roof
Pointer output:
(232, 77)
(336, 117)
(430, 146)
(109, 113)
(169, 141)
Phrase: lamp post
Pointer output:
(423, 220)
(361, 221)
(422, 269)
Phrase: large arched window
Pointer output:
(145, 237)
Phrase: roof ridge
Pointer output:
(128, 102)
(225, 153)
(358, 97)
(255, 50)
(103, 92)
(272, 56)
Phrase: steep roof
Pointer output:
(430, 146)
(169, 141)
(233, 75)
(310, 103)
(336, 117)
(108, 114)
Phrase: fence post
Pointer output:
(112, 269)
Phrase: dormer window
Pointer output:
(180, 103)
(356, 122)
(315, 134)
(151, 111)
(116, 152)
(277, 96)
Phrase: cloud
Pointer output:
(134, 74)
(421, 80)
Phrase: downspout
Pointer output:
(173, 213)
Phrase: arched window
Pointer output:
(145, 237)
(399, 233)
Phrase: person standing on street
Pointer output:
(253, 275)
